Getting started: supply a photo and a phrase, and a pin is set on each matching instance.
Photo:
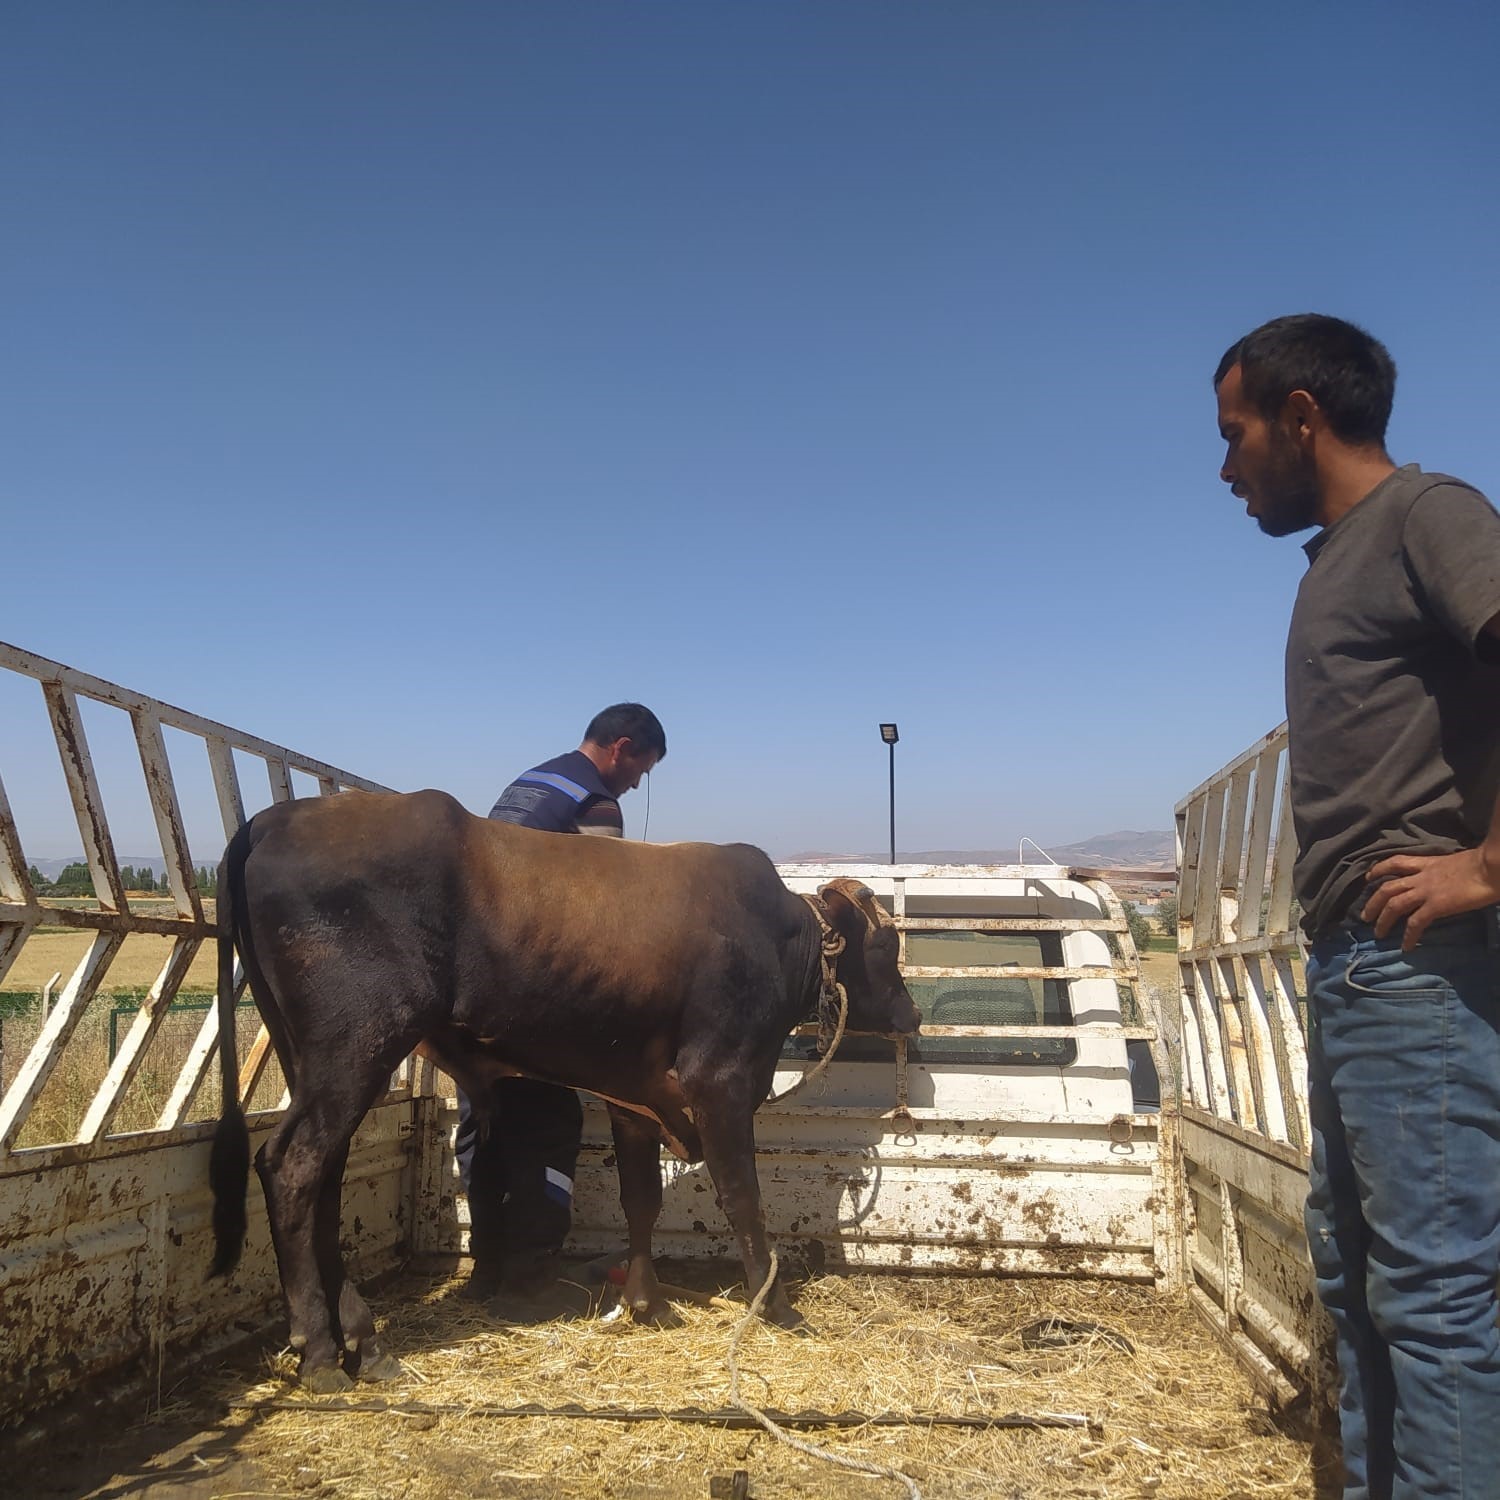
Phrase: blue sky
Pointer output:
(403, 383)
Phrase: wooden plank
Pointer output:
(1196, 1078)
(1257, 851)
(1289, 1029)
(1267, 1054)
(57, 1030)
(226, 785)
(1213, 1039)
(83, 789)
(1015, 971)
(13, 935)
(167, 811)
(1232, 857)
(279, 774)
(1205, 914)
(132, 1051)
(1232, 1029)
(1011, 924)
(122, 922)
(1189, 861)
(15, 882)
(1279, 915)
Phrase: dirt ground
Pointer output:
(1158, 1410)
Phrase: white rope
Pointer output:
(859, 1465)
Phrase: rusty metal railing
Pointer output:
(1238, 948)
(23, 911)
(1245, 1126)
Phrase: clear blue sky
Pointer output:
(404, 382)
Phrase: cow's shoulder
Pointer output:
(749, 882)
(725, 864)
(751, 862)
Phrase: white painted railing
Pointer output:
(1238, 948)
(23, 911)
(1244, 1115)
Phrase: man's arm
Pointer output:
(602, 817)
(1423, 888)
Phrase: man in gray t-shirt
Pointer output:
(1393, 688)
(1393, 704)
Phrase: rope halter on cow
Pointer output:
(833, 1001)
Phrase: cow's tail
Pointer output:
(229, 1161)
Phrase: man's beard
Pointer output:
(1288, 491)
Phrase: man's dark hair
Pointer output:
(1350, 375)
(628, 721)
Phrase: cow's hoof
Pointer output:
(654, 1312)
(790, 1319)
(382, 1367)
(326, 1380)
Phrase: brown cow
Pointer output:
(663, 978)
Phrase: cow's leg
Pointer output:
(301, 1173)
(725, 1117)
(354, 1324)
(638, 1161)
(293, 1166)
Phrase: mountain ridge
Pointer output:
(1126, 849)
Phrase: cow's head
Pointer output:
(869, 967)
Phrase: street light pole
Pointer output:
(889, 734)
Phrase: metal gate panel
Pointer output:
(1244, 1127)
(105, 1233)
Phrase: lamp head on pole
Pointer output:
(888, 734)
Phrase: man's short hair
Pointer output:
(628, 721)
(1348, 373)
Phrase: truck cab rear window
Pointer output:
(996, 998)
(992, 998)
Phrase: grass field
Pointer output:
(59, 1111)
(55, 950)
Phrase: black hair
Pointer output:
(1348, 373)
(628, 721)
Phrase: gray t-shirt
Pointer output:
(1392, 692)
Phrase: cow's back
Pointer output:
(374, 910)
(652, 911)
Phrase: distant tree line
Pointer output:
(1139, 925)
(75, 880)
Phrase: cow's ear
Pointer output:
(842, 898)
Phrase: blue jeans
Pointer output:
(1403, 1208)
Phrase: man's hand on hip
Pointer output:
(1422, 888)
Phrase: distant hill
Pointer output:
(1125, 850)
(1121, 851)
